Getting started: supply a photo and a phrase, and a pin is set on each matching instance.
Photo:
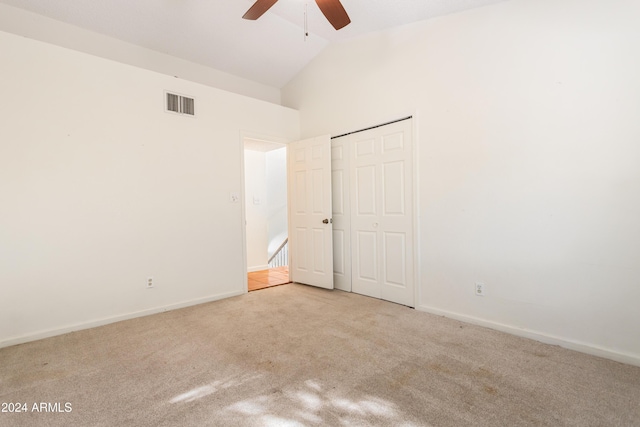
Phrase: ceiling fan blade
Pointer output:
(334, 12)
(258, 9)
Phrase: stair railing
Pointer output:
(280, 257)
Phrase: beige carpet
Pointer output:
(295, 355)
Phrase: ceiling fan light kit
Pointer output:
(332, 10)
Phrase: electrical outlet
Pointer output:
(480, 289)
(149, 282)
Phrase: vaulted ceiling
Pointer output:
(271, 50)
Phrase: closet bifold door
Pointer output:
(340, 178)
(381, 219)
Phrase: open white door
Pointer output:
(310, 224)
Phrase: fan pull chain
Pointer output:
(306, 28)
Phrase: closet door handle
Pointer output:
(327, 221)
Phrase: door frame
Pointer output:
(244, 135)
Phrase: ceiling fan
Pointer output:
(332, 10)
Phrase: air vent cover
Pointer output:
(180, 104)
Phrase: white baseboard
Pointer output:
(107, 320)
(258, 268)
(629, 359)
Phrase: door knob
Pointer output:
(327, 221)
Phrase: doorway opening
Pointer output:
(265, 172)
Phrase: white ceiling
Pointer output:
(271, 50)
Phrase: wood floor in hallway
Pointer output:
(267, 278)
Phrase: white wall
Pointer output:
(527, 134)
(19, 21)
(256, 209)
(100, 188)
